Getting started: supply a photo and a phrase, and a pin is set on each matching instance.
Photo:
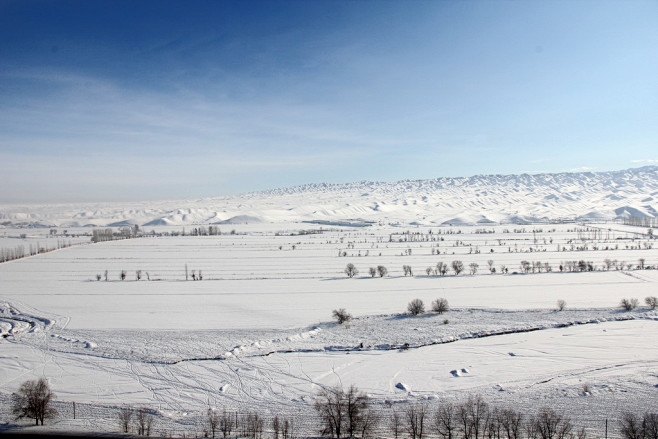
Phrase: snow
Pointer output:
(481, 199)
(256, 333)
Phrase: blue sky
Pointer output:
(127, 100)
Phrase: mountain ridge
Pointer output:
(479, 199)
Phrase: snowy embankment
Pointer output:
(364, 333)
(614, 360)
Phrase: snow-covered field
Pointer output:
(257, 334)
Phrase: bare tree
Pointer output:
(416, 307)
(651, 301)
(457, 267)
(213, 421)
(341, 316)
(472, 415)
(395, 424)
(253, 425)
(440, 305)
(631, 426)
(415, 420)
(445, 420)
(549, 424)
(525, 266)
(650, 425)
(474, 267)
(372, 271)
(144, 422)
(629, 304)
(227, 423)
(122, 276)
(442, 268)
(125, 416)
(561, 305)
(407, 270)
(383, 271)
(33, 400)
(351, 270)
(342, 413)
(287, 429)
(369, 423)
(138, 274)
(511, 423)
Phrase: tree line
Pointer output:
(349, 413)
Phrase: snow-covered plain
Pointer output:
(257, 334)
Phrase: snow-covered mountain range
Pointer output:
(481, 199)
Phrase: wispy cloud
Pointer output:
(582, 169)
(647, 161)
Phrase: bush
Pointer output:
(33, 400)
(629, 304)
(341, 316)
(383, 271)
(561, 305)
(457, 267)
(651, 301)
(416, 307)
(351, 270)
(440, 305)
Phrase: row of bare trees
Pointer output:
(18, 252)
(139, 275)
(458, 267)
(251, 425)
(347, 414)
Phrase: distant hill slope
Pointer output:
(481, 199)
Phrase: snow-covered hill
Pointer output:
(481, 199)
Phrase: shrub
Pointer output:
(440, 305)
(561, 305)
(416, 307)
(629, 304)
(383, 271)
(372, 271)
(651, 301)
(341, 316)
